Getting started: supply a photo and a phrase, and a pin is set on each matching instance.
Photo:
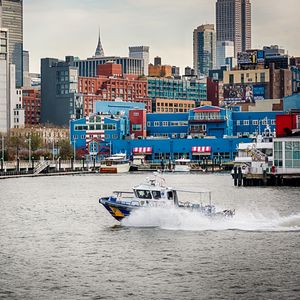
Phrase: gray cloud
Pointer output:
(69, 27)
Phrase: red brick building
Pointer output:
(213, 91)
(110, 85)
(32, 106)
(138, 123)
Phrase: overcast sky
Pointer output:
(56, 28)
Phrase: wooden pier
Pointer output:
(266, 178)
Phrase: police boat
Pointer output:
(155, 193)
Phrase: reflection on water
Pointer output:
(58, 242)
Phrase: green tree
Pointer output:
(65, 149)
(36, 142)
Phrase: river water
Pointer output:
(58, 242)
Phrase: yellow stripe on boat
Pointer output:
(117, 212)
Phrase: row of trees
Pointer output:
(19, 147)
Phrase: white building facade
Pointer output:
(225, 54)
(11, 111)
(141, 52)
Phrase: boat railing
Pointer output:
(120, 194)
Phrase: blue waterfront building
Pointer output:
(167, 125)
(210, 121)
(223, 149)
(117, 107)
(92, 134)
(204, 132)
(180, 89)
(249, 123)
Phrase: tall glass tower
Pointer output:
(233, 20)
(204, 55)
(11, 17)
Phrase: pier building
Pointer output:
(206, 131)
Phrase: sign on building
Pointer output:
(244, 93)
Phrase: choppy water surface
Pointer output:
(57, 242)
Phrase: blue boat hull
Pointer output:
(117, 210)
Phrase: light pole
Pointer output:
(29, 153)
(2, 147)
(53, 151)
(74, 148)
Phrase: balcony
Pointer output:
(207, 119)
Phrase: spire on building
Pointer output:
(99, 50)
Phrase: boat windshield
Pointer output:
(156, 194)
(143, 194)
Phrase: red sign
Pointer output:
(205, 149)
(142, 150)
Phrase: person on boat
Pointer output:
(162, 164)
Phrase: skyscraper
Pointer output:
(99, 50)
(26, 78)
(204, 55)
(4, 83)
(11, 17)
(141, 52)
(233, 20)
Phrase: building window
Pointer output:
(165, 123)
(255, 122)
(136, 114)
(238, 122)
(262, 77)
(156, 124)
(246, 122)
(115, 136)
(148, 124)
(273, 122)
(107, 136)
(231, 78)
(264, 122)
(242, 78)
(136, 127)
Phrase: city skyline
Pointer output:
(75, 30)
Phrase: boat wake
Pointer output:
(178, 219)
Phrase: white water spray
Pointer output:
(179, 219)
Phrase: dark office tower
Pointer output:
(157, 61)
(11, 17)
(246, 25)
(233, 20)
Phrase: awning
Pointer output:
(201, 150)
(199, 110)
(142, 150)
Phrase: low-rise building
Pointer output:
(173, 105)
(246, 86)
(90, 135)
(138, 123)
(48, 135)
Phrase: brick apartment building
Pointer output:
(110, 85)
(32, 106)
